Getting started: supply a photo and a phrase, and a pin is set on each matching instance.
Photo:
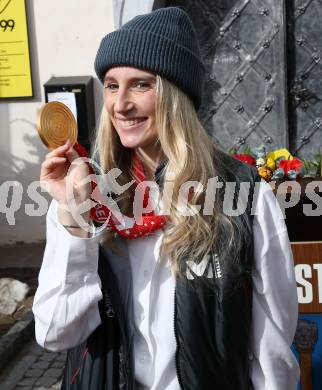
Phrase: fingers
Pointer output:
(59, 156)
(50, 163)
(60, 151)
(72, 154)
(64, 150)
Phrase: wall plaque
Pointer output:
(15, 72)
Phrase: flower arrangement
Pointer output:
(278, 164)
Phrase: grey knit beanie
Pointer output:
(163, 42)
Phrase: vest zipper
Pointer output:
(177, 341)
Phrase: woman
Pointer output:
(183, 296)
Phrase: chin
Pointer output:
(130, 144)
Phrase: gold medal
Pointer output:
(56, 123)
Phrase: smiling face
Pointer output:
(129, 99)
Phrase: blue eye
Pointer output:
(142, 85)
(111, 86)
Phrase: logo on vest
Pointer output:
(209, 267)
(109, 311)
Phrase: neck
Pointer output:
(151, 158)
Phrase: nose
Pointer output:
(123, 102)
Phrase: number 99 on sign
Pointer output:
(7, 24)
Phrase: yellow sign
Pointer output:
(15, 74)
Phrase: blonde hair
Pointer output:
(190, 156)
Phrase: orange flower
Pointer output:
(265, 173)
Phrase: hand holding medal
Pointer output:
(57, 129)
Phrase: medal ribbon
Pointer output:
(101, 213)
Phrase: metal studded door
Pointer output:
(304, 48)
(242, 43)
(250, 66)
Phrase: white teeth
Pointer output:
(132, 122)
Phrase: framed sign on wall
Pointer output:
(15, 70)
(307, 344)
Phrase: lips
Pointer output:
(131, 123)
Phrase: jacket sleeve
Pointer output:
(275, 305)
(66, 301)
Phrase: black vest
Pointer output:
(212, 320)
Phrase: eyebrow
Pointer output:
(145, 78)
